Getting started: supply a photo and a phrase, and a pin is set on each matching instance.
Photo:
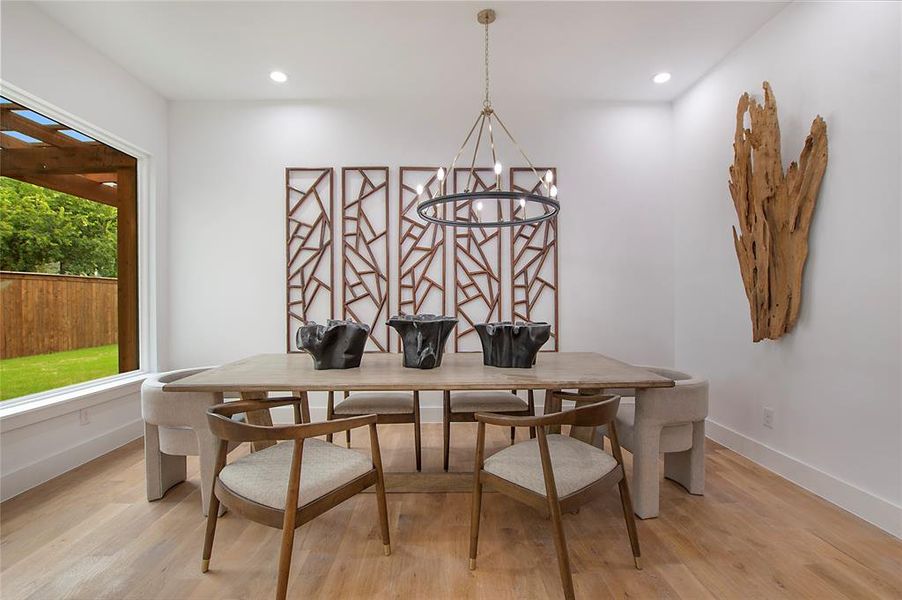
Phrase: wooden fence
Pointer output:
(50, 313)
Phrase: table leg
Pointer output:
(552, 405)
(585, 434)
(258, 417)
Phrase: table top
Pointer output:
(384, 372)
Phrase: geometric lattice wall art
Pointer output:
(533, 281)
(477, 261)
(364, 251)
(421, 247)
(310, 278)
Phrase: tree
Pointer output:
(39, 226)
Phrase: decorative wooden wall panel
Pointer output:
(534, 269)
(477, 264)
(310, 285)
(421, 248)
(364, 250)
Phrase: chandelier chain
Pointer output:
(487, 103)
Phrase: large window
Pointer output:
(68, 256)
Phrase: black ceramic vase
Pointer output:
(509, 344)
(423, 338)
(335, 345)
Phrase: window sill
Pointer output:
(54, 403)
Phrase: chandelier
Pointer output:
(491, 206)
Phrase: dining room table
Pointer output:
(255, 377)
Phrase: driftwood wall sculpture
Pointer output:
(775, 211)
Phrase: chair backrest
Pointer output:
(686, 402)
(219, 418)
(591, 410)
(174, 409)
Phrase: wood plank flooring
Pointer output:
(90, 534)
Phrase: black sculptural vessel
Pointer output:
(335, 345)
(423, 338)
(509, 344)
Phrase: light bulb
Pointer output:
(419, 189)
(549, 176)
(440, 173)
(661, 77)
(522, 202)
(498, 168)
(554, 191)
(479, 205)
(278, 76)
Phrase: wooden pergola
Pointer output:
(44, 152)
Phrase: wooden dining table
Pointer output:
(384, 372)
(256, 376)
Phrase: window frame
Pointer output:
(147, 268)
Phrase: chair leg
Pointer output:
(646, 485)
(531, 396)
(688, 468)
(446, 428)
(416, 430)
(289, 518)
(212, 516)
(208, 447)
(560, 544)
(330, 412)
(476, 511)
(213, 508)
(630, 520)
(380, 489)
(161, 471)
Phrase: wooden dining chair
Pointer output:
(292, 482)
(554, 473)
(460, 407)
(389, 407)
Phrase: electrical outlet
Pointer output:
(768, 417)
(83, 418)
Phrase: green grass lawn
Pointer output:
(30, 374)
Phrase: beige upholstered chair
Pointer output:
(292, 482)
(460, 407)
(554, 473)
(175, 426)
(669, 421)
(389, 407)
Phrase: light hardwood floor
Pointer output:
(90, 534)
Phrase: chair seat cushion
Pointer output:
(376, 403)
(263, 476)
(470, 402)
(575, 464)
(674, 438)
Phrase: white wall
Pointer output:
(227, 164)
(45, 60)
(834, 382)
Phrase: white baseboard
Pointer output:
(881, 512)
(45, 469)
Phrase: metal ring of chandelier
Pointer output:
(550, 208)
(466, 208)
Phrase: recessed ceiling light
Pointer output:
(661, 77)
(278, 76)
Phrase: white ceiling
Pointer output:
(592, 50)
